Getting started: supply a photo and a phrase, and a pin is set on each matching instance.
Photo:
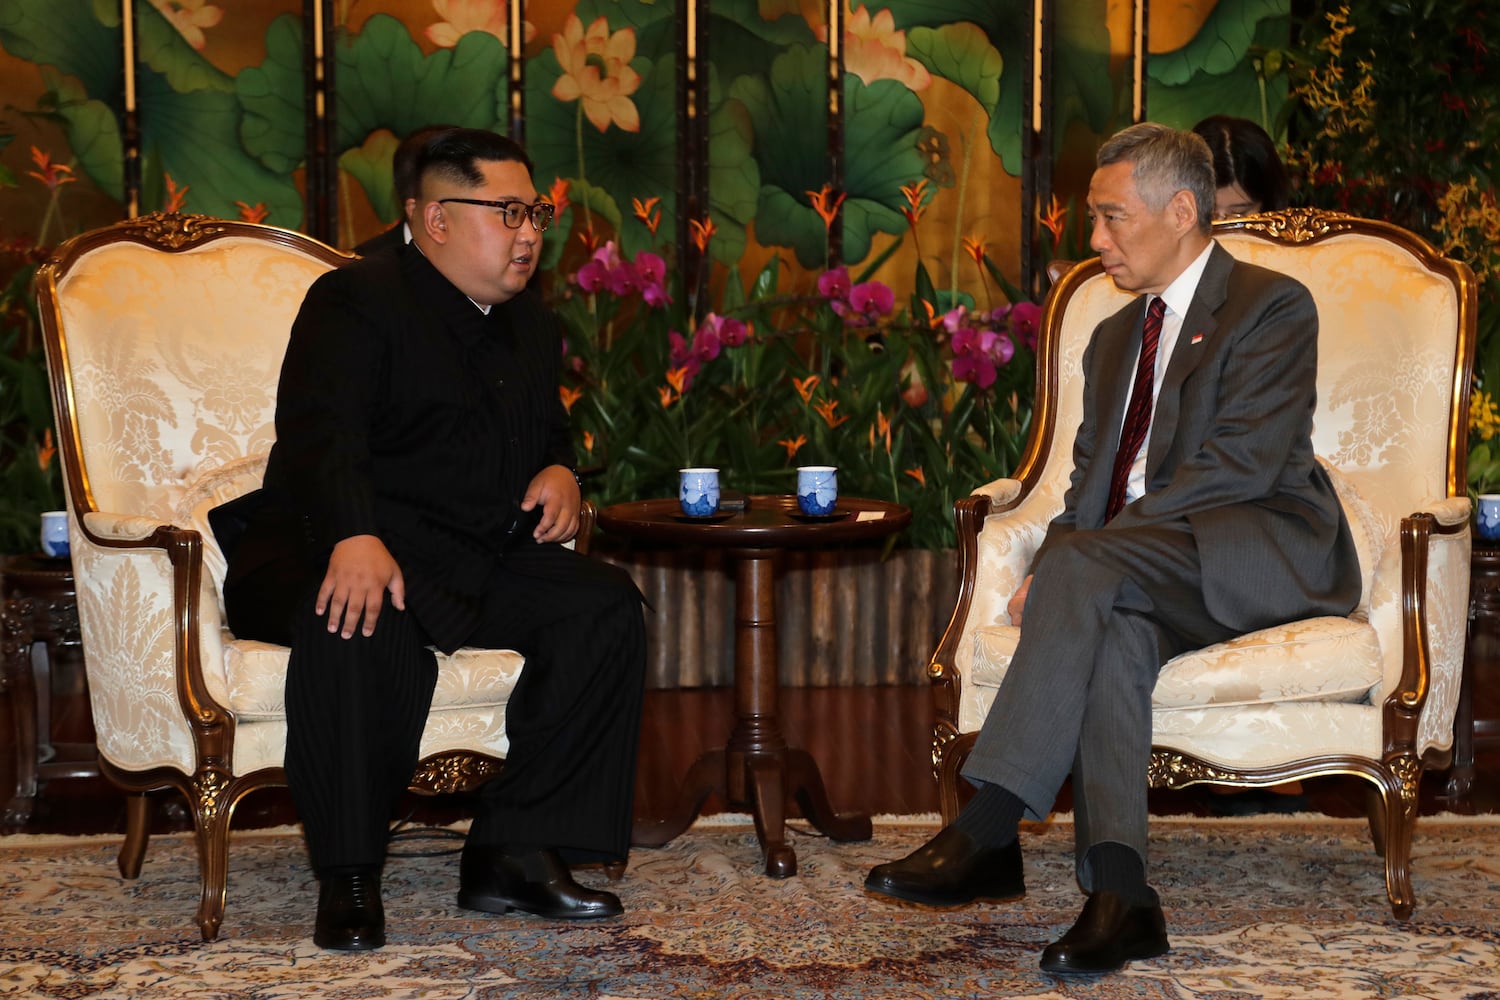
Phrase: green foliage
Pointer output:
(29, 478)
(1398, 104)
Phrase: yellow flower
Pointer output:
(1484, 416)
(596, 70)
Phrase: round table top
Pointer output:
(768, 521)
(35, 567)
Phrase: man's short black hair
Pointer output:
(455, 154)
(404, 162)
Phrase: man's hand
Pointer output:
(1018, 602)
(555, 489)
(360, 571)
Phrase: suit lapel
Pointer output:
(1195, 342)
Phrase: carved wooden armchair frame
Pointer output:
(1422, 574)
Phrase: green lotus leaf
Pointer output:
(195, 137)
(742, 43)
(1002, 24)
(384, 81)
(784, 221)
(961, 53)
(1085, 92)
(93, 132)
(370, 165)
(81, 45)
(1223, 42)
(880, 152)
(162, 48)
(273, 126)
(1234, 93)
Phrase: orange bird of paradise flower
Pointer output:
(253, 213)
(826, 204)
(916, 201)
(45, 450)
(916, 473)
(588, 442)
(805, 386)
(668, 397)
(881, 428)
(793, 445)
(647, 212)
(825, 410)
(569, 397)
(976, 248)
(676, 378)
(1055, 220)
(557, 194)
(176, 197)
(54, 175)
(703, 231)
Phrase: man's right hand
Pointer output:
(360, 571)
(1018, 602)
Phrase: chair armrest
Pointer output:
(106, 527)
(1002, 492)
(1449, 511)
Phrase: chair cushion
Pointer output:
(1317, 659)
(469, 678)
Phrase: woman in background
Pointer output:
(1247, 169)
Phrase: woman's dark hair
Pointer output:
(1245, 155)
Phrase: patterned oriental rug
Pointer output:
(1272, 906)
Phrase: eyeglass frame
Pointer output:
(504, 206)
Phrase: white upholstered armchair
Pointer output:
(1373, 694)
(164, 340)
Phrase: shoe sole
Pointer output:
(1141, 954)
(368, 943)
(501, 905)
(885, 891)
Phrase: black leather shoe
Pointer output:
(1109, 932)
(537, 882)
(952, 869)
(350, 915)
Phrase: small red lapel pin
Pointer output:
(1197, 339)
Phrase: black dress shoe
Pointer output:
(493, 881)
(350, 916)
(952, 869)
(1109, 933)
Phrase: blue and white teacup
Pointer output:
(699, 491)
(817, 489)
(54, 535)
(1488, 521)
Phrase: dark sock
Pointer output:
(992, 816)
(1119, 869)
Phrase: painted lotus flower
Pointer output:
(597, 72)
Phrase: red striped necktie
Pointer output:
(1138, 413)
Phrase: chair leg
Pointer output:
(211, 814)
(1375, 814)
(1400, 822)
(948, 777)
(137, 833)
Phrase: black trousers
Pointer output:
(356, 707)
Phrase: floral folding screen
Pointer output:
(737, 114)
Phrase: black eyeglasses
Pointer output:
(540, 214)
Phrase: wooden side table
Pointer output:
(756, 768)
(1472, 728)
(38, 617)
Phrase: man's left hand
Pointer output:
(556, 491)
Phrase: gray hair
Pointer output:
(1167, 160)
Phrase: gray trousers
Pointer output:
(1106, 609)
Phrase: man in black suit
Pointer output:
(417, 496)
(1196, 511)
(404, 182)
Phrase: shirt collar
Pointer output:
(1179, 294)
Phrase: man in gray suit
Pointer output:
(1196, 511)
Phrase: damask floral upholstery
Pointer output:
(165, 337)
(1373, 694)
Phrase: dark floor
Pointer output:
(870, 742)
